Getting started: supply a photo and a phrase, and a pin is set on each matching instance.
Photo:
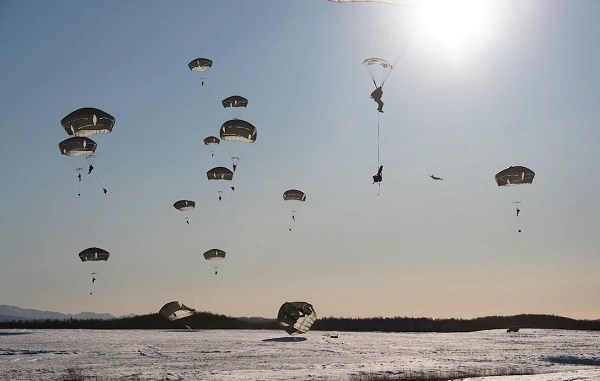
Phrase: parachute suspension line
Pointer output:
(378, 139)
(378, 163)
(354, 49)
(100, 183)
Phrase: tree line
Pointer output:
(207, 320)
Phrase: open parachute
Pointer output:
(294, 195)
(214, 255)
(296, 317)
(88, 121)
(94, 254)
(176, 310)
(238, 130)
(200, 64)
(77, 146)
(515, 178)
(183, 205)
(235, 101)
(219, 173)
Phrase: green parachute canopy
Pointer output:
(514, 176)
(200, 64)
(235, 101)
(176, 310)
(238, 130)
(296, 317)
(94, 254)
(77, 146)
(88, 121)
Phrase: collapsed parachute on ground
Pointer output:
(176, 310)
(77, 146)
(219, 173)
(88, 121)
(296, 317)
(294, 195)
(238, 130)
(94, 254)
(235, 101)
(200, 64)
(514, 176)
(183, 205)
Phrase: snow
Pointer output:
(236, 355)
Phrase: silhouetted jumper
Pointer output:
(378, 177)
(376, 95)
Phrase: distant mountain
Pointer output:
(8, 313)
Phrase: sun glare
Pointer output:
(456, 26)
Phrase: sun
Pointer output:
(455, 26)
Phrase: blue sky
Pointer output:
(518, 88)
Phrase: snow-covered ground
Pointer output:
(555, 355)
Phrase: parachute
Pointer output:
(235, 101)
(379, 69)
(176, 310)
(512, 177)
(211, 141)
(294, 195)
(238, 130)
(200, 64)
(88, 121)
(77, 146)
(94, 254)
(183, 205)
(213, 255)
(296, 317)
(220, 173)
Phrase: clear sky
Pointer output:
(476, 87)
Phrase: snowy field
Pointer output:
(272, 355)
